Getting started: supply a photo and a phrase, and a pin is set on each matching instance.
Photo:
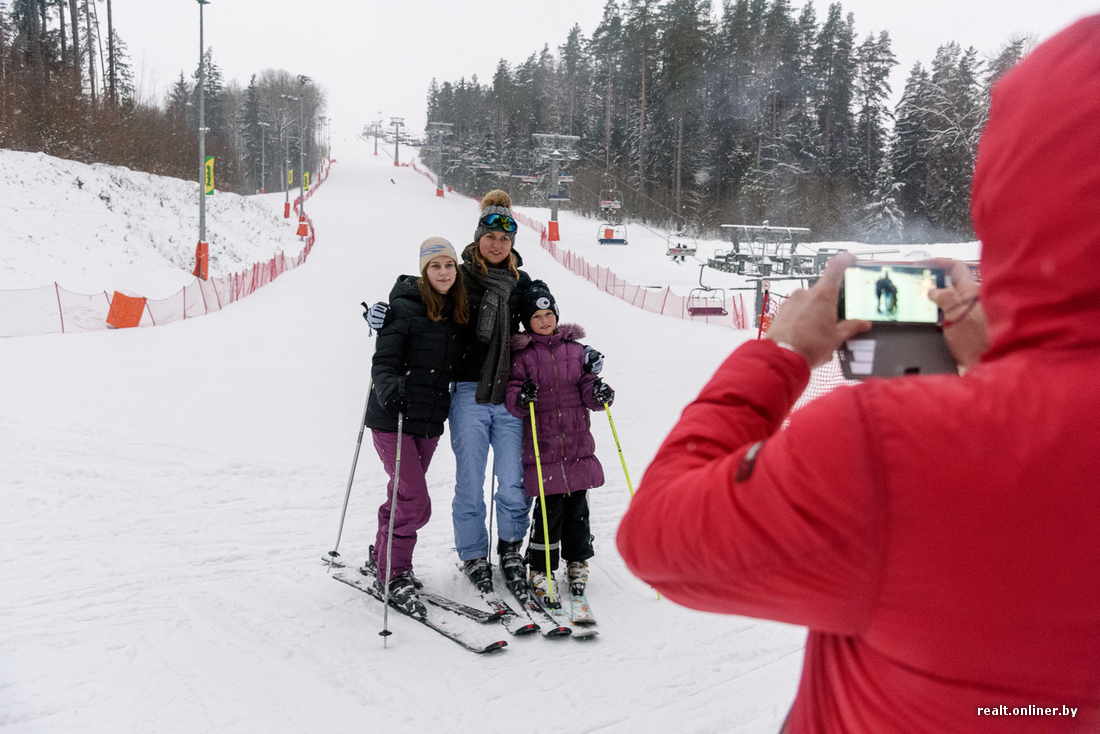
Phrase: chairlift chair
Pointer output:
(706, 301)
(611, 201)
(680, 246)
(611, 234)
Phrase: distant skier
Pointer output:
(548, 371)
(886, 296)
(413, 366)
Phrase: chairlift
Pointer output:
(611, 201)
(681, 245)
(611, 234)
(706, 301)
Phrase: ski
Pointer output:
(527, 600)
(452, 625)
(561, 617)
(517, 623)
(481, 616)
(580, 612)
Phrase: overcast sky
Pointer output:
(378, 57)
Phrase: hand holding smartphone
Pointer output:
(906, 336)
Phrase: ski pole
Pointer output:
(334, 554)
(607, 409)
(492, 501)
(389, 537)
(542, 506)
(385, 633)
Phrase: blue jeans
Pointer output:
(474, 428)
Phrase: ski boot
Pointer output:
(370, 568)
(541, 585)
(403, 596)
(512, 565)
(577, 573)
(480, 574)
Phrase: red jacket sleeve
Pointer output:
(735, 515)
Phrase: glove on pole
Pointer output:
(385, 633)
(333, 554)
(607, 409)
(542, 506)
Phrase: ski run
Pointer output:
(167, 493)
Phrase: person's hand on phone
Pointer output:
(807, 321)
(964, 325)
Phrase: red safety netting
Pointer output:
(53, 309)
(729, 313)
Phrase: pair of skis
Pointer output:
(460, 623)
(457, 622)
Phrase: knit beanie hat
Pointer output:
(432, 248)
(496, 201)
(536, 298)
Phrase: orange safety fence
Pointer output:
(52, 309)
(729, 313)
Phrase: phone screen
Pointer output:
(890, 292)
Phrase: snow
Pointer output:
(168, 492)
(93, 228)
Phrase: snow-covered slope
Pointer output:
(94, 228)
(166, 495)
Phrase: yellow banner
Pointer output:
(290, 177)
(305, 181)
(209, 175)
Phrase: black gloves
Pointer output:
(593, 361)
(527, 394)
(603, 393)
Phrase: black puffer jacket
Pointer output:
(474, 350)
(422, 353)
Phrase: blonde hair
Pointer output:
(483, 265)
(434, 300)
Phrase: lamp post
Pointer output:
(301, 155)
(397, 122)
(202, 250)
(377, 131)
(284, 127)
(263, 158)
(320, 136)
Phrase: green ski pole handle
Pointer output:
(607, 409)
(542, 506)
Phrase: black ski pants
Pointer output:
(570, 533)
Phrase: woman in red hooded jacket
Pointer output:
(947, 562)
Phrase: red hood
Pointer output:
(1036, 198)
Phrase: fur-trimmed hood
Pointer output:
(566, 332)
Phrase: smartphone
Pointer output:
(905, 337)
(890, 292)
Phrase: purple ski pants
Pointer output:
(414, 505)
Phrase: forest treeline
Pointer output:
(757, 112)
(67, 89)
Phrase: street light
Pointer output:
(263, 159)
(202, 251)
(301, 154)
(397, 122)
(284, 127)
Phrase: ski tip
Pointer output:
(560, 632)
(499, 644)
(529, 629)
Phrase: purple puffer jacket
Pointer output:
(566, 446)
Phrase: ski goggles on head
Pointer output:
(503, 222)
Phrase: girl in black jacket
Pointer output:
(413, 366)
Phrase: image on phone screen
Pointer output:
(895, 293)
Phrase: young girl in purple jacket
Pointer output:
(548, 371)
